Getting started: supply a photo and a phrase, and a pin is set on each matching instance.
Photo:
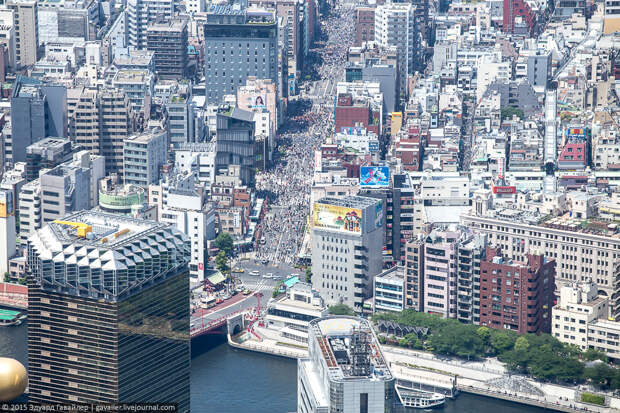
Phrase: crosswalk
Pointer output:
(258, 284)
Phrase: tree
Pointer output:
(521, 344)
(308, 275)
(341, 309)
(224, 242)
(501, 341)
(600, 374)
(484, 333)
(509, 111)
(276, 289)
(221, 262)
(7, 277)
(592, 354)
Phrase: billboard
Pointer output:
(373, 146)
(257, 101)
(337, 218)
(505, 189)
(6, 203)
(379, 215)
(374, 176)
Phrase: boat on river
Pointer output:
(419, 399)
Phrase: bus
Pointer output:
(208, 301)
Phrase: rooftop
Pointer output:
(350, 349)
(348, 201)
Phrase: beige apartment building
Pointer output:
(26, 25)
(581, 318)
(584, 249)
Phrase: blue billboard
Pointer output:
(374, 176)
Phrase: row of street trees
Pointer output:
(539, 355)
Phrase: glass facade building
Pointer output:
(106, 309)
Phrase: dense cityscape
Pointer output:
(311, 206)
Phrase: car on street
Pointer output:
(238, 270)
(268, 275)
(255, 273)
(247, 292)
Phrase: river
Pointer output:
(226, 380)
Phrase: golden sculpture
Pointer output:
(13, 379)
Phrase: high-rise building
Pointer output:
(29, 210)
(345, 370)
(108, 301)
(141, 14)
(440, 248)
(169, 42)
(235, 142)
(143, 155)
(580, 254)
(116, 122)
(470, 253)
(26, 25)
(395, 26)
(38, 110)
(7, 229)
(516, 295)
(389, 290)
(364, 25)
(347, 246)
(184, 126)
(414, 275)
(238, 43)
(84, 120)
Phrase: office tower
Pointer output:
(289, 11)
(26, 27)
(38, 110)
(59, 23)
(345, 370)
(8, 36)
(517, 295)
(143, 155)
(581, 254)
(238, 43)
(169, 42)
(138, 86)
(141, 14)
(46, 154)
(235, 142)
(84, 120)
(108, 304)
(414, 275)
(183, 124)
(7, 229)
(347, 246)
(116, 123)
(261, 97)
(395, 26)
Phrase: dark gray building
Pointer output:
(168, 40)
(46, 154)
(539, 68)
(235, 142)
(518, 94)
(38, 110)
(111, 326)
(238, 43)
(373, 71)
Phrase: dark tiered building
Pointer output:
(108, 303)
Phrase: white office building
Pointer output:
(389, 290)
(347, 246)
(143, 155)
(345, 371)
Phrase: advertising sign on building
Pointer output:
(257, 101)
(6, 203)
(318, 161)
(337, 218)
(374, 176)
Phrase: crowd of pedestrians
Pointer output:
(288, 184)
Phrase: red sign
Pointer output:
(201, 266)
(504, 189)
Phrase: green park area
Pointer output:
(539, 355)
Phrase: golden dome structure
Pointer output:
(13, 379)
